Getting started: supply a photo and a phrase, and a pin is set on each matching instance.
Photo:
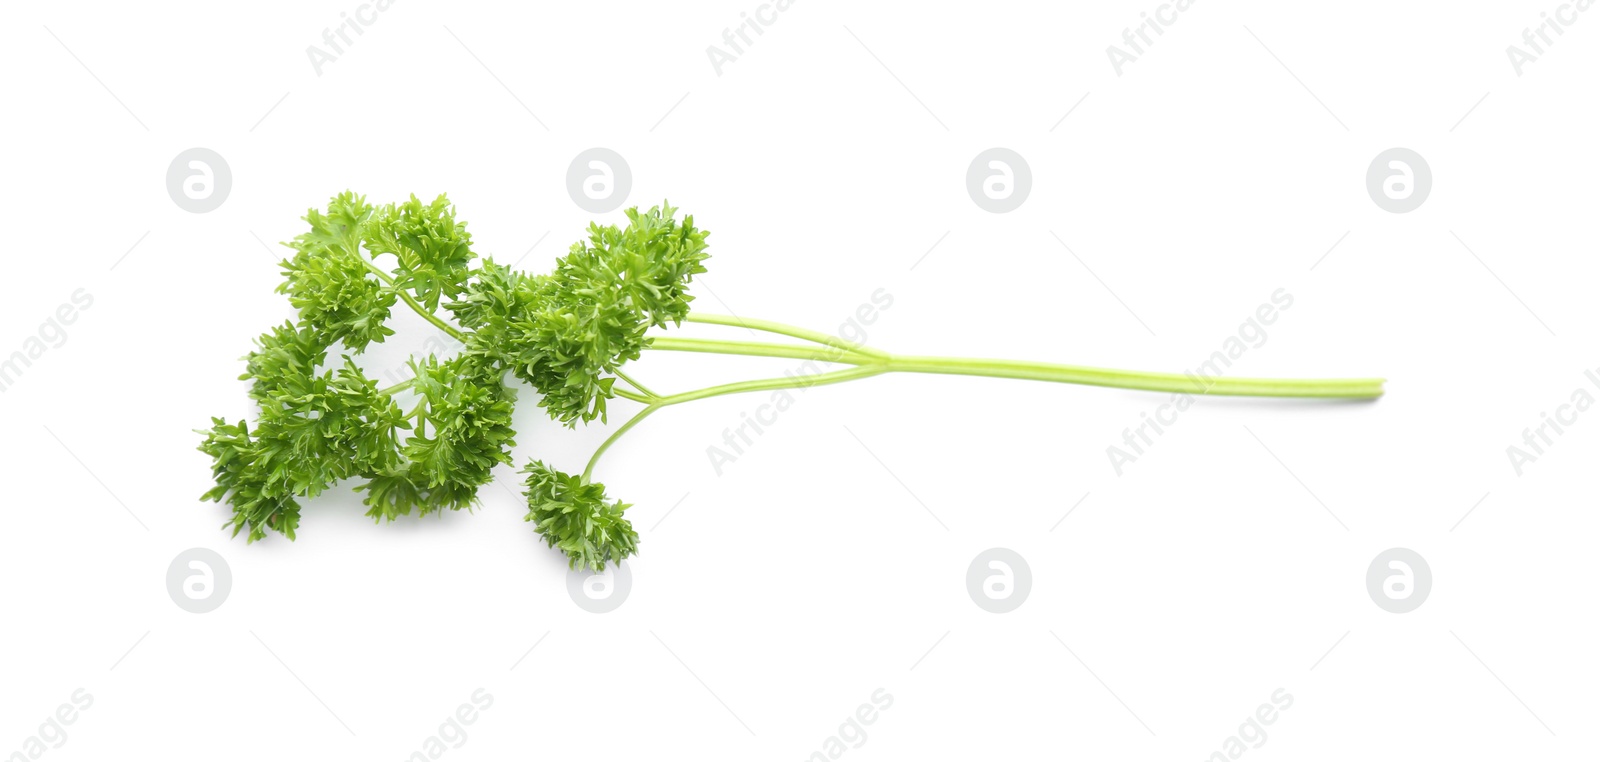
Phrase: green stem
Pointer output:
(634, 384)
(754, 349)
(388, 280)
(624, 393)
(430, 317)
(871, 362)
(784, 329)
(641, 398)
(395, 388)
(786, 382)
(1339, 388)
(634, 421)
(1342, 388)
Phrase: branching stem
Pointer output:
(1185, 383)
(633, 383)
(788, 330)
(397, 387)
(388, 280)
(634, 421)
(871, 362)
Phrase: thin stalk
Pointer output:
(754, 349)
(1345, 388)
(395, 388)
(430, 317)
(624, 393)
(787, 382)
(872, 362)
(784, 329)
(1337, 388)
(634, 421)
(640, 398)
(634, 384)
(388, 280)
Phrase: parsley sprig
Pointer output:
(567, 334)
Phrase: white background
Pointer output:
(775, 598)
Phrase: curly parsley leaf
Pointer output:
(577, 518)
(463, 430)
(566, 333)
(433, 249)
(328, 280)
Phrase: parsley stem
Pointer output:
(866, 367)
(388, 280)
(397, 387)
(1181, 383)
(1338, 388)
(754, 348)
(454, 332)
(786, 330)
(641, 398)
(634, 384)
(785, 382)
(646, 398)
(634, 421)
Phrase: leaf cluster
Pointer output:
(433, 249)
(463, 429)
(329, 282)
(565, 333)
(577, 518)
(315, 429)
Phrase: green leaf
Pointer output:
(433, 249)
(564, 333)
(567, 332)
(578, 519)
(329, 281)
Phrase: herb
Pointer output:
(567, 334)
